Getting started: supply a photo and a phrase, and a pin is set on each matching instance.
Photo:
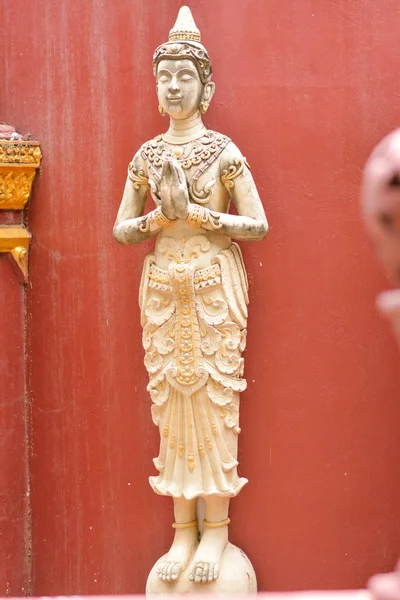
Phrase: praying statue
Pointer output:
(193, 299)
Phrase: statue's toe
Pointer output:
(176, 571)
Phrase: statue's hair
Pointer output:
(179, 50)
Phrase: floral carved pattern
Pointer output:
(194, 334)
(15, 188)
(20, 153)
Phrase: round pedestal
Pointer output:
(236, 576)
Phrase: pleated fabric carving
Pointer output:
(194, 332)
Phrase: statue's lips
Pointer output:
(175, 99)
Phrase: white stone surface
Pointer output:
(236, 576)
(193, 298)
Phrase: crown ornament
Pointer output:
(184, 41)
(185, 28)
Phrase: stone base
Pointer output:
(236, 576)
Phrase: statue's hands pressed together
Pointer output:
(174, 191)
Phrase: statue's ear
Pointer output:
(208, 92)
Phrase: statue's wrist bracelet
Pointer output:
(200, 216)
(154, 220)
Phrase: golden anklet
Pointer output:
(215, 524)
(185, 525)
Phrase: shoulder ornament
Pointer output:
(137, 176)
(229, 175)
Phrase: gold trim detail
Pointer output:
(138, 177)
(18, 164)
(154, 220)
(15, 186)
(185, 525)
(184, 35)
(228, 175)
(15, 239)
(15, 152)
(198, 216)
(216, 524)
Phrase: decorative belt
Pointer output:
(203, 278)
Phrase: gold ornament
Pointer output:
(161, 110)
(204, 106)
(200, 215)
(138, 177)
(185, 525)
(228, 175)
(19, 161)
(154, 220)
(15, 239)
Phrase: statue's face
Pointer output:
(179, 88)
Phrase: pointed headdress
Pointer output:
(184, 41)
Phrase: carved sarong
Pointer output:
(194, 331)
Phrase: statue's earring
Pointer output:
(161, 110)
(204, 106)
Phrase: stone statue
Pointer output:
(193, 299)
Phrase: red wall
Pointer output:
(305, 89)
(14, 500)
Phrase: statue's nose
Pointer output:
(173, 86)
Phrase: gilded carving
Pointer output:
(15, 187)
(193, 298)
(138, 178)
(15, 239)
(20, 153)
(19, 161)
(229, 175)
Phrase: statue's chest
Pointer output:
(199, 160)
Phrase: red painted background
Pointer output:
(305, 89)
(14, 500)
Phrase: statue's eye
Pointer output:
(186, 78)
(163, 79)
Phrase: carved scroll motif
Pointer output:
(137, 176)
(229, 175)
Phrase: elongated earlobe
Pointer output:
(208, 93)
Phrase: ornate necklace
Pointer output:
(200, 153)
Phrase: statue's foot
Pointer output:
(179, 554)
(205, 566)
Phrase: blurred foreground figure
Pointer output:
(386, 587)
(380, 200)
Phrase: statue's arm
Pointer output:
(251, 223)
(131, 227)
